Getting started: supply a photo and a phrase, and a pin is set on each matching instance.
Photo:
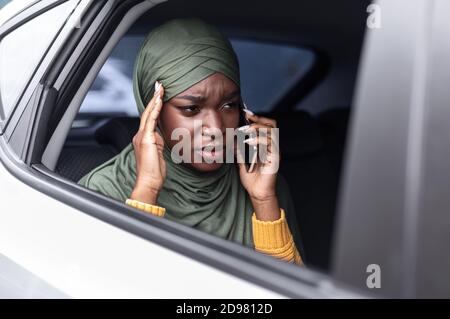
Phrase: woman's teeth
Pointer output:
(211, 153)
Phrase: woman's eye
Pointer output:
(190, 109)
(231, 105)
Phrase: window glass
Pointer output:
(3, 3)
(22, 50)
(269, 70)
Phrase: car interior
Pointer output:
(313, 113)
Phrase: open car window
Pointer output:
(272, 72)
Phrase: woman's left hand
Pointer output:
(261, 182)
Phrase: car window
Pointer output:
(269, 70)
(22, 50)
(282, 66)
(3, 3)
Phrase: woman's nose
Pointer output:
(212, 123)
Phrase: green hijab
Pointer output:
(179, 54)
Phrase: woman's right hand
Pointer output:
(148, 147)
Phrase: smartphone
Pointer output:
(250, 151)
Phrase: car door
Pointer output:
(394, 207)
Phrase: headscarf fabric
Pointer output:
(179, 54)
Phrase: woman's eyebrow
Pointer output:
(193, 98)
(232, 95)
(201, 98)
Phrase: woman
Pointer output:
(186, 71)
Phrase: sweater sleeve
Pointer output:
(152, 209)
(274, 238)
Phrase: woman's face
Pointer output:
(215, 101)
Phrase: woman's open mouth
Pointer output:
(211, 153)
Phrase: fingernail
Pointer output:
(157, 87)
(248, 112)
(244, 128)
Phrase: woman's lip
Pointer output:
(210, 153)
(211, 147)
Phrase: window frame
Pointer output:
(19, 19)
(37, 89)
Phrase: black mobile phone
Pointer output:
(250, 152)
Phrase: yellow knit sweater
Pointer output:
(272, 238)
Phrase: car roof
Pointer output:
(336, 27)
